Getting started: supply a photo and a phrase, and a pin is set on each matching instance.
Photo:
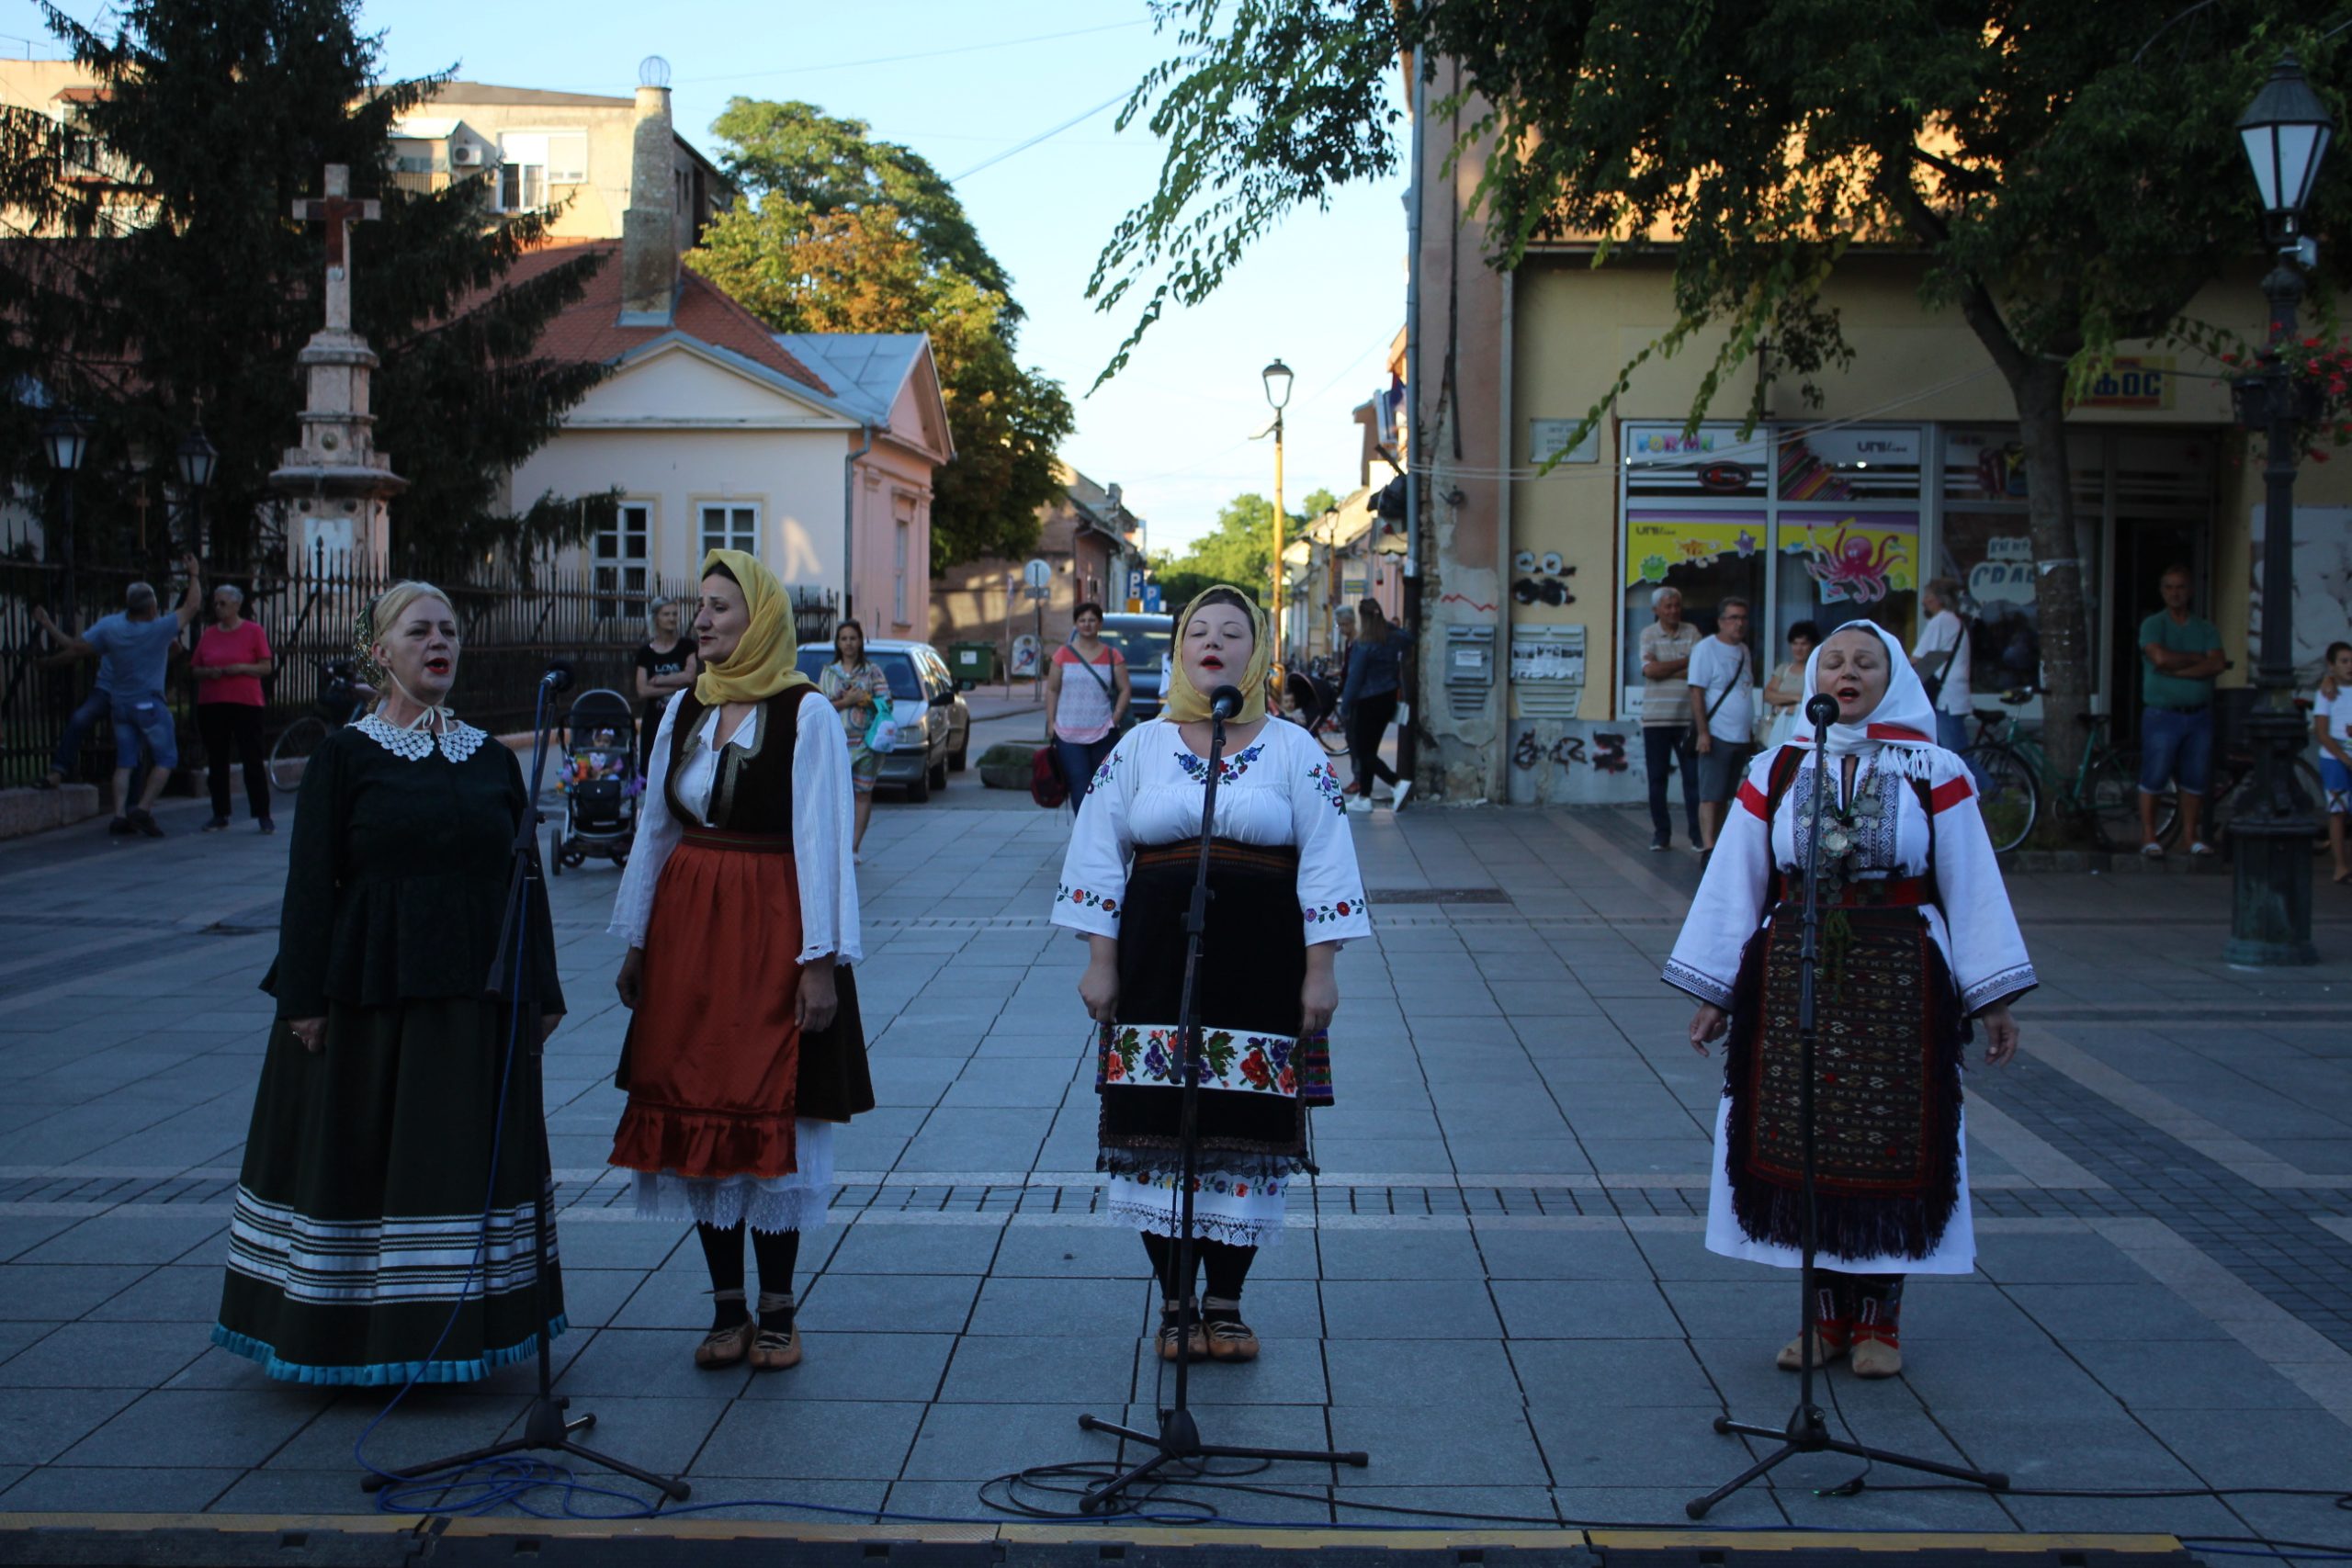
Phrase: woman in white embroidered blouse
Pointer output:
(1903, 852)
(1289, 894)
(740, 916)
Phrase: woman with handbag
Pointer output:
(1286, 894)
(1083, 713)
(857, 687)
(740, 909)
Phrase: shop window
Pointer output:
(1706, 554)
(1830, 567)
(1662, 460)
(1849, 463)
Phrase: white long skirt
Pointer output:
(1954, 1254)
(794, 1203)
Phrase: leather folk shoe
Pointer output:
(1833, 1332)
(776, 1346)
(727, 1343)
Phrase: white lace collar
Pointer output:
(458, 741)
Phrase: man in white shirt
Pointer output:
(1723, 712)
(1942, 654)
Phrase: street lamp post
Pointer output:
(196, 458)
(1277, 378)
(66, 438)
(2286, 130)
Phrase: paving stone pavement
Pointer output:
(1497, 1285)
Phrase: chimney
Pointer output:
(650, 227)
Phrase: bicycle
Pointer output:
(338, 700)
(2008, 767)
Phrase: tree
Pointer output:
(178, 276)
(2068, 176)
(1241, 550)
(853, 235)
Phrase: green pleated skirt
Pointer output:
(371, 1243)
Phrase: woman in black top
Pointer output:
(384, 1215)
(665, 665)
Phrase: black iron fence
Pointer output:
(514, 623)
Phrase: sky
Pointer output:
(1325, 293)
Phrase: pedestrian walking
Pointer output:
(665, 665)
(1666, 646)
(1087, 690)
(2179, 655)
(1368, 699)
(133, 648)
(384, 1223)
(1941, 659)
(231, 658)
(1920, 945)
(1723, 712)
(859, 689)
(739, 910)
(1286, 895)
(2332, 721)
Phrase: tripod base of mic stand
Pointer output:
(1178, 1440)
(544, 1430)
(1808, 1433)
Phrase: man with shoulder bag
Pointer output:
(1723, 710)
(1941, 659)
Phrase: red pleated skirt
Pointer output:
(713, 1061)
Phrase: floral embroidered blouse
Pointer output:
(1279, 789)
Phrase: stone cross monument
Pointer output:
(336, 481)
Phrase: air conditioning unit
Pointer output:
(465, 155)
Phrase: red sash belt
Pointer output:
(1885, 894)
(748, 844)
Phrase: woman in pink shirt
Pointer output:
(230, 659)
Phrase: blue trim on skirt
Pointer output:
(382, 1374)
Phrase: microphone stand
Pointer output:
(1178, 1438)
(545, 1427)
(1807, 1431)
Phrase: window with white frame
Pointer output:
(898, 574)
(730, 525)
(620, 559)
(531, 162)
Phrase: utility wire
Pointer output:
(994, 159)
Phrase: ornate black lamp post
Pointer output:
(196, 459)
(2287, 129)
(66, 438)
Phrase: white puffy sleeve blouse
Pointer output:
(1279, 789)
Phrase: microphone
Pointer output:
(1224, 701)
(1821, 710)
(559, 677)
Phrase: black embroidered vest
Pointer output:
(752, 790)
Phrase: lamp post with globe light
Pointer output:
(1277, 377)
(2286, 130)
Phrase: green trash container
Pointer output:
(972, 663)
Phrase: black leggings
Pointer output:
(1228, 1266)
(778, 1253)
(1368, 722)
(225, 724)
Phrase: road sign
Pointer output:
(1135, 582)
(1038, 575)
(1152, 598)
(1025, 655)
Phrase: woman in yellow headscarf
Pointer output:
(740, 915)
(1287, 894)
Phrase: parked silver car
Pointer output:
(935, 723)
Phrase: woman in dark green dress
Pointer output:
(373, 1242)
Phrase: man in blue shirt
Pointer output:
(2179, 655)
(133, 650)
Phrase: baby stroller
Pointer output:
(600, 784)
(1311, 700)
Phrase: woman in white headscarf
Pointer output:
(1918, 945)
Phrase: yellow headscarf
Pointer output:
(1187, 704)
(762, 664)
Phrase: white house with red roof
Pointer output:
(814, 452)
